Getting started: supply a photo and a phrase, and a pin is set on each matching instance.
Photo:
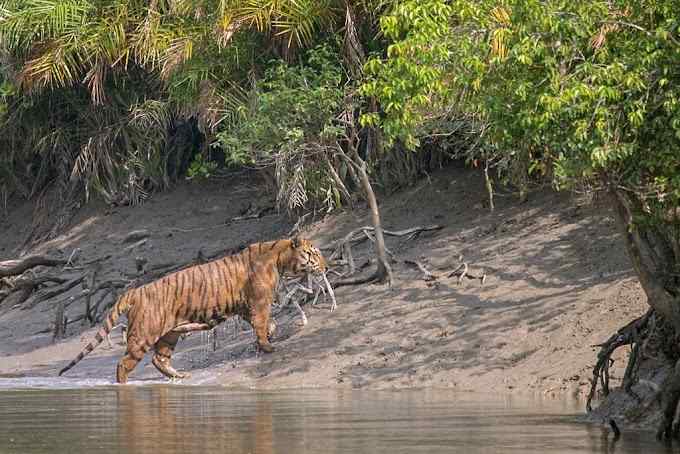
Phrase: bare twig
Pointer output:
(427, 275)
(73, 256)
(329, 287)
(296, 228)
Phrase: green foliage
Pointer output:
(94, 90)
(292, 105)
(287, 121)
(197, 58)
(587, 89)
(409, 82)
(201, 168)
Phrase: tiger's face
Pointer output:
(307, 257)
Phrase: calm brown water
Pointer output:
(177, 419)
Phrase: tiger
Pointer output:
(200, 297)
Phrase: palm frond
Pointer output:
(22, 22)
(59, 65)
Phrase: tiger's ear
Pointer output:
(297, 242)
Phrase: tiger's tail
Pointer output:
(121, 307)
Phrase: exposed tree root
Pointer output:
(461, 272)
(650, 327)
(342, 252)
(629, 334)
(358, 235)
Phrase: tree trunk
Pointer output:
(653, 256)
(644, 260)
(384, 272)
(489, 185)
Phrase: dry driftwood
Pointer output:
(342, 248)
(44, 295)
(342, 255)
(31, 282)
(18, 266)
(136, 235)
(360, 234)
(461, 271)
(21, 287)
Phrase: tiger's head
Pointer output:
(306, 257)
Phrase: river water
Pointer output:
(184, 419)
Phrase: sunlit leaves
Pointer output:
(288, 121)
(409, 81)
(592, 85)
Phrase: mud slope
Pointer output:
(558, 282)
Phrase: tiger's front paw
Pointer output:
(267, 348)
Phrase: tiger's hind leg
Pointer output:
(261, 325)
(135, 352)
(161, 358)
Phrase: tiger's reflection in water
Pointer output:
(157, 419)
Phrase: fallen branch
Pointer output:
(342, 248)
(288, 296)
(359, 235)
(136, 236)
(462, 272)
(52, 292)
(427, 276)
(334, 303)
(31, 282)
(18, 266)
(374, 277)
(134, 246)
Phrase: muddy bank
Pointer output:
(558, 281)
